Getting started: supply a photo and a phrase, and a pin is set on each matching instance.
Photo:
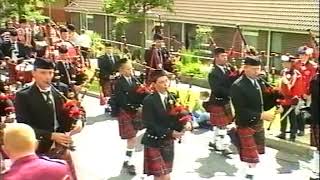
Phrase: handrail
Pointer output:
(174, 53)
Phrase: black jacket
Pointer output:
(247, 102)
(314, 87)
(106, 66)
(220, 84)
(125, 94)
(65, 72)
(24, 51)
(32, 109)
(158, 122)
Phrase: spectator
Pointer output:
(200, 116)
(20, 144)
(84, 41)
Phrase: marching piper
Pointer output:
(315, 141)
(41, 107)
(107, 66)
(247, 94)
(161, 129)
(220, 109)
(129, 110)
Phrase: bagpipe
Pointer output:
(179, 113)
(73, 112)
(271, 97)
(139, 92)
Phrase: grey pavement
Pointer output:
(100, 153)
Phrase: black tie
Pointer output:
(129, 81)
(112, 59)
(14, 49)
(50, 104)
(166, 101)
(225, 69)
(48, 99)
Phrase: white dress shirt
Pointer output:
(163, 96)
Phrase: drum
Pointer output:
(24, 72)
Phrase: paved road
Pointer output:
(100, 153)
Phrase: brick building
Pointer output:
(269, 25)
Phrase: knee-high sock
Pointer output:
(215, 134)
(315, 162)
(223, 141)
(129, 154)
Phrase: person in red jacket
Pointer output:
(20, 144)
(292, 89)
(307, 68)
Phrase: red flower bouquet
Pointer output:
(143, 89)
(180, 113)
(74, 110)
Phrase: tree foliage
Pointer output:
(21, 8)
(135, 8)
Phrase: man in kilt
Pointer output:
(314, 90)
(129, 110)
(247, 94)
(161, 129)
(40, 105)
(107, 67)
(154, 56)
(220, 107)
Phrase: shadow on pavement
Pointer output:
(289, 162)
(210, 166)
(122, 176)
(199, 131)
(100, 118)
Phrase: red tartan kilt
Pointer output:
(106, 87)
(158, 161)
(315, 141)
(251, 144)
(126, 128)
(220, 115)
(66, 156)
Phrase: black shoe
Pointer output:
(213, 145)
(227, 152)
(249, 176)
(292, 138)
(130, 168)
(314, 178)
(301, 133)
(282, 136)
(107, 110)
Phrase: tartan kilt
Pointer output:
(107, 87)
(158, 161)
(252, 143)
(63, 154)
(220, 115)
(315, 141)
(126, 127)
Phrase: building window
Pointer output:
(87, 21)
(276, 42)
(90, 22)
(251, 38)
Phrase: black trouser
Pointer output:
(300, 122)
(293, 122)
